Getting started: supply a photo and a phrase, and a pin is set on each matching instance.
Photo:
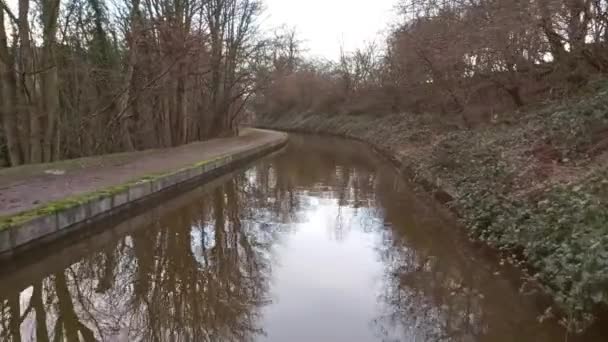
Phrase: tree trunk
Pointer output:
(125, 121)
(8, 99)
(42, 333)
(127, 97)
(217, 25)
(72, 326)
(28, 88)
(180, 107)
(14, 312)
(515, 95)
(555, 40)
(50, 12)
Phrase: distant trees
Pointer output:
(516, 48)
(467, 58)
(77, 79)
(288, 82)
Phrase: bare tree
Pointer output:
(8, 95)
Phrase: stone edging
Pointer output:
(44, 226)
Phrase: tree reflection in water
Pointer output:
(201, 271)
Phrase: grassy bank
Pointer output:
(533, 185)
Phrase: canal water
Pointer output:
(321, 242)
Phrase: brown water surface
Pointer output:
(323, 242)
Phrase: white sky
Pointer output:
(323, 24)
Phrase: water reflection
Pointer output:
(321, 243)
(198, 273)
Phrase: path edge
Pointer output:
(53, 221)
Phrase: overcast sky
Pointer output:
(323, 24)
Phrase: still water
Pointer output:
(322, 242)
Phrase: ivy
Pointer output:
(563, 235)
(501, 177)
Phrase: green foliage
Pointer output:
(562, 234)
(574, 129)
(560, 229)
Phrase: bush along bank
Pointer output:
(533, 185)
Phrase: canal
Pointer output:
(320, 242)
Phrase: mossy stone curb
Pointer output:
(17, 231)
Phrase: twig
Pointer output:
(9, 12)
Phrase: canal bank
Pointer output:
(321, 241)
(535, 188)
(40, 203)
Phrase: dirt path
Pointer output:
(29, 186)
